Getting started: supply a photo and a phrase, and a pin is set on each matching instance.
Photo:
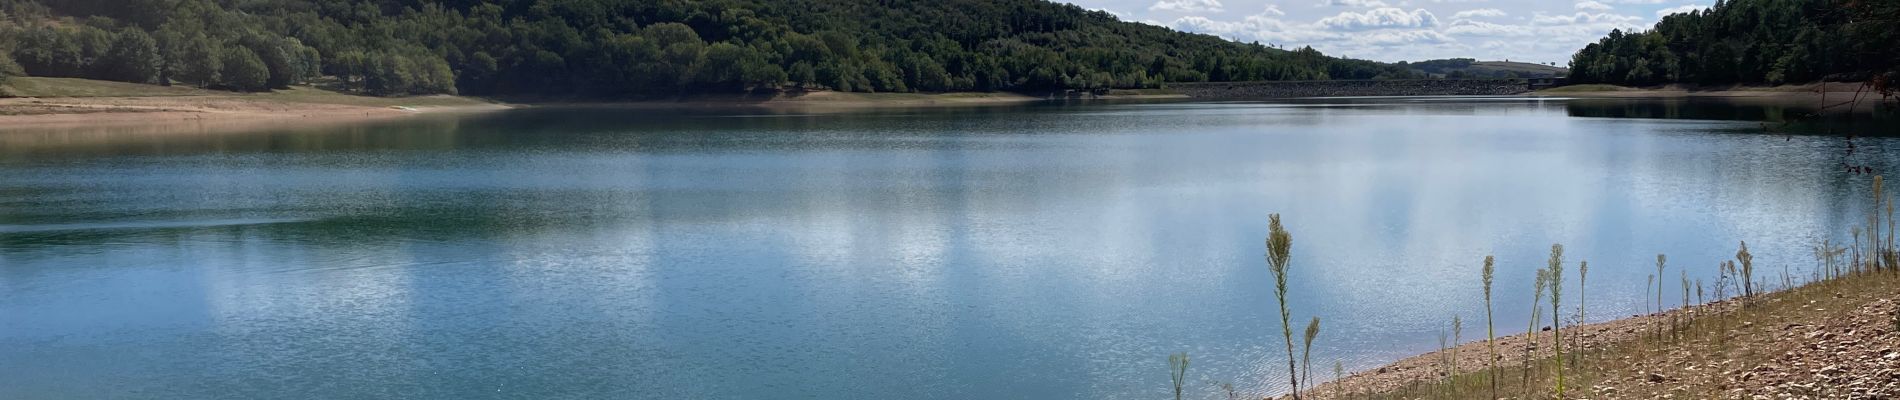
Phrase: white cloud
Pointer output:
(1584, 18)
(1261, 27)
(1399, 37)
(1480, 28)
(1588, 5)
(1679, 9)
(1187, 6)
(1353, 3)
(1391, 30)
(1118, 14)
(1380, 18)
(1479, 13)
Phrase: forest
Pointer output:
(1753, 42)
(631, 47)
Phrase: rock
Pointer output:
(1657, 378)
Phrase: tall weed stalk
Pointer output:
(1177, 370)
(1556, 307)
(1279, 251)
(1490, 326)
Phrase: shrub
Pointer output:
(9, 68)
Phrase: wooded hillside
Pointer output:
(1753, 42)
(632, 47)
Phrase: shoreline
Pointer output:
(1831, 92)
(1425, 367)
(305, 105)
(1740, 348)
(122, 111)
(129, 104)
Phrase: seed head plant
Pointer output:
(1583, 278)
(1177, 370)
(1748, 270)
(1556, 307)
(1537, 311)
(1647, 288)
(1490, 327)
(1685, 300)
(1651, 284)
(1457, 336)
(1339, 375)
(1725, 279)
(1444, 360)
(1698, 293)
(1279, 251)
(1306, 352)
(1873, 221)
(1660, 259)
(1856, 264)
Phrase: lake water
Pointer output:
(1036, 252)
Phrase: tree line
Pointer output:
(634, 47)
(1752, 42)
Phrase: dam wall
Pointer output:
(1340, 88)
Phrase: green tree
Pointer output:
(8, 68)
(350, 66)
(46, 51)
(133, 57)
(243, 70)
(202, 61)
(389, 74)
(802, 74)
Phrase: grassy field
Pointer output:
(304, 94)
(74, 87)
(1520, 67)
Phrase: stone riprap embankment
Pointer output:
(1340, 88)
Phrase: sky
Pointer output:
(1538, 31)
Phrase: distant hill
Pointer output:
(1471, 68)
(633, 47)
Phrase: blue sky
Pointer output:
(1412, 30)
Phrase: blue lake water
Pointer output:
(1037, 252)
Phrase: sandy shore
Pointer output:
(117, 111)
(307, 106)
